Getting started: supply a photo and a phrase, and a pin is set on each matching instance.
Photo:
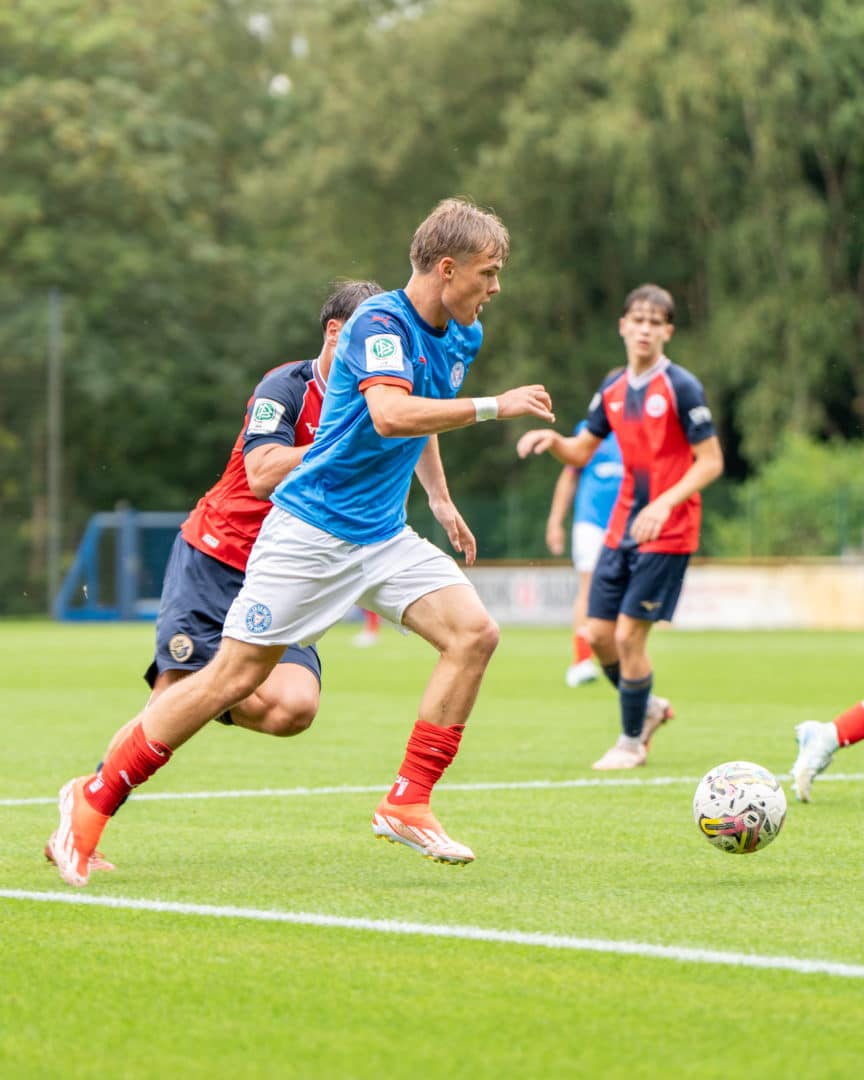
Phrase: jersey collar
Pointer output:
(638, 381)
(320, 381)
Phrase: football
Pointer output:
(739, 807)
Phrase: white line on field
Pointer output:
(377, 789)
(469, 933)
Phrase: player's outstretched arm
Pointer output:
(397, 414)
(576, 450)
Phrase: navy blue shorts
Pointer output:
(196, 594)
(643, 585)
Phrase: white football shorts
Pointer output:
(300, 581)
(586, 541)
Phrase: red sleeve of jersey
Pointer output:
(385, 380)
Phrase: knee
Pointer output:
(480, 640)
(626, 641)
(493, 636)
(284, 719)
(598, 636)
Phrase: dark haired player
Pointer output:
(208, 560)
(671, 452)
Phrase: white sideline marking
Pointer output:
(377, 789)
(469, 933)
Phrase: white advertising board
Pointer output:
(824, 595)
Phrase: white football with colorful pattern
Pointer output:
(739, 807)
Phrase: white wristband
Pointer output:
(485, 408)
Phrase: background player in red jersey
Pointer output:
(671, 452)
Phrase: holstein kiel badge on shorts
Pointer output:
(258, 619)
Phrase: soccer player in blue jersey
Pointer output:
(337, 537)
(591, 493)
(671, 452)
(209, 555)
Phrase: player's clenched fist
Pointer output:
(526, 401)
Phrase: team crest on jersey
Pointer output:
(457, 375)
(656, 405)
(258, 619)
(181, 648)
(384, 353)
(265, 417)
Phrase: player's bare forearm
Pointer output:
(562, 501)
(398, 414)
(707, 467)
(460, 536)
(562, 496)
(268, 465)
(575, 450)
(430, 472)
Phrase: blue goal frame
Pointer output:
(85, 594)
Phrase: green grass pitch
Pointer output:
(248, 931)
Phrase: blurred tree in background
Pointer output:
(192, 175)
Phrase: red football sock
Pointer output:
(850, 725)
(581, 648)
(430, 750)
(130, 764)
(373, 621)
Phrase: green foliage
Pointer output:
(194, 174)
(808, 500)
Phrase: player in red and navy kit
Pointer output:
(207, 563)
(671, 452)
(208, 560)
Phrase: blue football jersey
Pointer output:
(599, 482)
(352, 482)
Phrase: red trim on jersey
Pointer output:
(385, 380)
(228, 518)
